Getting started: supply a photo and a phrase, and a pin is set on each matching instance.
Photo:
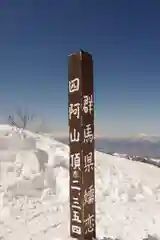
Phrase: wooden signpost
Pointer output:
(81, 143)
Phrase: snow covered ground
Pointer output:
(34, 200)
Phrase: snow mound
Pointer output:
(16, 140)
(34, 194)
(27, 164)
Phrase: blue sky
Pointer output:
(123, 37)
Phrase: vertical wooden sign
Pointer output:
(81, 143)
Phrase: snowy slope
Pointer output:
(34, 191)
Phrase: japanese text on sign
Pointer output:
(74, 109)
(88, 104)
(88, 162)
(76, 161)
(88, 134)
(89, 195)
(74, 85)
(81, 143)
(76, 203)
(74, 136)
(89, 223)
(76, 229)
(76, 216)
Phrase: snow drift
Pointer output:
(34, 192)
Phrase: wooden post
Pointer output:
(81, 143)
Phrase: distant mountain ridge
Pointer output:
(135, 146)
(152, 161)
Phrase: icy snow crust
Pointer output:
(34, 191)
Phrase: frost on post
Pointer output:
(81, 143)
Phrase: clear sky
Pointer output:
(36, 37)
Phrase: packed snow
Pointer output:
(34, 191)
